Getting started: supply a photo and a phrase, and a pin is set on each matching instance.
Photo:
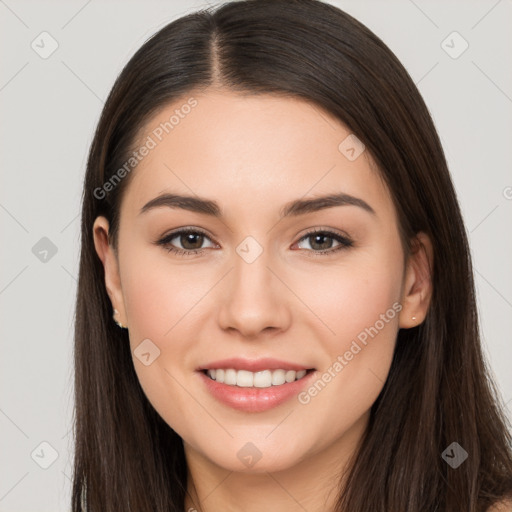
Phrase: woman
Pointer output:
(276, 305)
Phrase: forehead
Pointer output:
(250, 152)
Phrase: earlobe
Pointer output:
(109, 259)
(417, 290)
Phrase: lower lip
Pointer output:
(255, 399)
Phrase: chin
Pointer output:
(253, 458)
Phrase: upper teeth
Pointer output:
(263, 379)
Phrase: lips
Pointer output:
(254, 398)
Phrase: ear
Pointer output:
(417, 288)
(108, 257)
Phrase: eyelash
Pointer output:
(344, 241)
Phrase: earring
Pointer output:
(414, 318)
(116, 321)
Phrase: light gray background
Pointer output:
(49, 109)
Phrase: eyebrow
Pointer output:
(294, 208)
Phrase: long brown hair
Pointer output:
(438, 391)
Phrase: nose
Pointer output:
(253, 299)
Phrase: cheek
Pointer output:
(160, 305)
(353, 296)
(159, 294)
(360, 305)
(163, 305)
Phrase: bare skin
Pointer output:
(252, 155)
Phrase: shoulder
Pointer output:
(502, 506)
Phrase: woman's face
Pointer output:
(260, 292)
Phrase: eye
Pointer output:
(319, 237)
(190, 239)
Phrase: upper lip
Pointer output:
(254, 365)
